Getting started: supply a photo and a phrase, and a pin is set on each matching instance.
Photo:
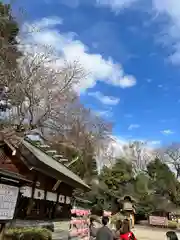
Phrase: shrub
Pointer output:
(172, 224)
(28, 234)
(49, 227)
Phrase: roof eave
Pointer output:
(48, 170)
(14, 176)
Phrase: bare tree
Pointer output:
(39, 87)
(83, 134)
(80, 124)
(40, 94)
(172, 157)
(139, 155)
(40, 83)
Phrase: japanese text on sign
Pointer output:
(8, 199)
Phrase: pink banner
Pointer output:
(158, 221)
(80, 212)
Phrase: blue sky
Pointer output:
(131, 49)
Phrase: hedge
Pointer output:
(172, 224)
(28, 234)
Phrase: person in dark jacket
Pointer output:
(92, 229)
(104, 233)
(171, 235)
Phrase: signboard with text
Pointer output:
(8, 199)
(158, 221)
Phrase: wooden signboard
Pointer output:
(8, 199)
(158, 221)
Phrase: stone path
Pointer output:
(147, 233)
(60, 235)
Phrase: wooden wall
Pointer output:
(40, 209)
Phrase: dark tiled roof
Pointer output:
(15, 176)
(11, 138)
(53, 164)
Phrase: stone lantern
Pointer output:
(127, 207)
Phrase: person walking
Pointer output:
(117, 231)
(104, 233)
(92, 229)
(126, 233)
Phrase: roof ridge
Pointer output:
(43, 150)
(10, 136)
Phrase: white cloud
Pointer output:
(116, 4)
(133, 126)
(171, 7)
(105, 113)
(128, 81)
(154, 143)
(167, 132)
(66, 46)
(171, 32)
(108, 100)
(41, 24)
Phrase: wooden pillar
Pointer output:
(31, 200)
(2, 231)
(132, 220)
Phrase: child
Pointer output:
(126, 234)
